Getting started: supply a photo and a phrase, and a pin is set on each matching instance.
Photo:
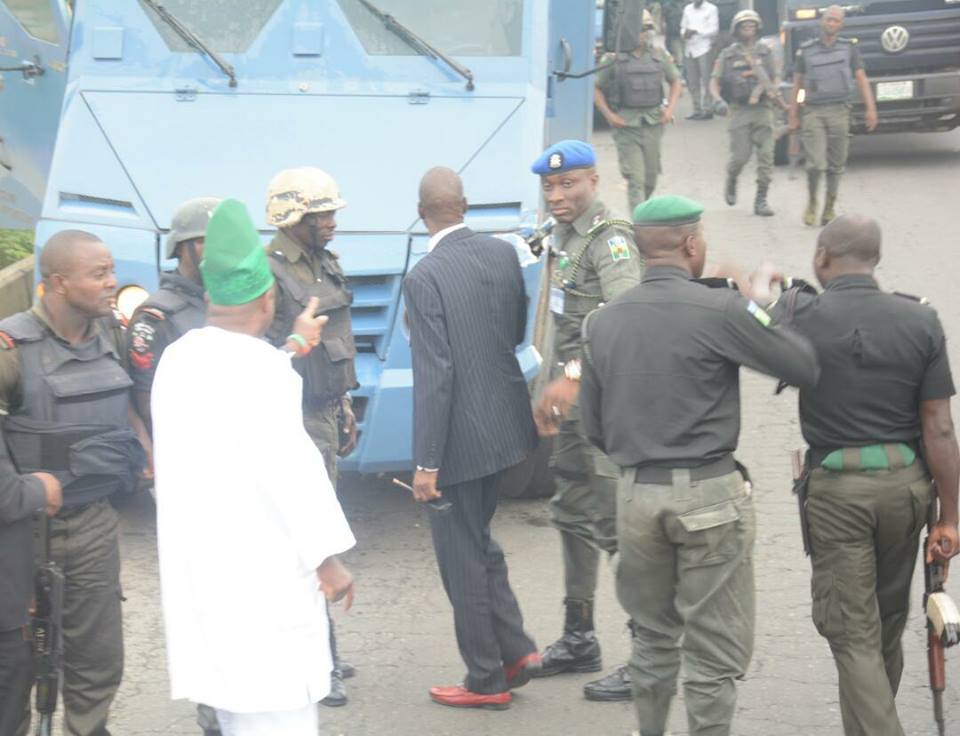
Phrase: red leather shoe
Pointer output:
(457, 696)
(520, 672)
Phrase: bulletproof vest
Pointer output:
(828, 77)
(735, 85)
(328, 371)
(72, 420)
(640, 81)
(181, 302)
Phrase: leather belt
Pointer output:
(664, 476)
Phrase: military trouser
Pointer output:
(84, 543)
(638, 153)
(16, 679)
(323, 426)
(686, 573)
(865, 527)
(825, 132)
(583, 508)
(751, 126)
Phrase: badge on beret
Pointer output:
(619, 251)
(758, 313)
(556, 161)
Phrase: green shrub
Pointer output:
(14, 245)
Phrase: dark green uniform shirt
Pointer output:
(661, 375)
(881, 355)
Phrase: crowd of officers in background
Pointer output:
(643, 457)
(637, 94)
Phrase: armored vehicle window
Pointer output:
(457, 27)
(36, 16)
(224, 25)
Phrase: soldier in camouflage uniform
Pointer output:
(745, 78)
(595, 259)
(302, 204)
(629, 94)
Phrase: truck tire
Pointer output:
(780, 155)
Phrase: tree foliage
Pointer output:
(14, 245)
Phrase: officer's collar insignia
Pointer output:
(761, 316)
(555, 161)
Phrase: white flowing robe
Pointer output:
(245, 515)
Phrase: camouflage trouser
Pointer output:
(323, 426)
(686, 575)
(751, 126)
(865, 527)
(85, 545)
(825, 132)
(638, 153)
(583, 508)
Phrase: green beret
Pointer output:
(235, 268)
(667, 210)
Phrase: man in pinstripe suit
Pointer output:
(467, 310)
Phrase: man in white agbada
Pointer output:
(248, 524)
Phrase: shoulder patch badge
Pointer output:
(761, 316)
(619, 250)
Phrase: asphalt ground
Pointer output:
(400, 632)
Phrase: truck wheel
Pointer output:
(780, 155)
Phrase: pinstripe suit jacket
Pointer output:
(467, 310)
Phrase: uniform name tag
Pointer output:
(556, 299)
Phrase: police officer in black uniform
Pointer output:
(669, 417)
(176, 307)
(880, 432)
(65, 391)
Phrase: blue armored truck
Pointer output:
(113, 112)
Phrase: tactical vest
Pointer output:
(328, 371)
(828, 77)
(184, 310)
(640, 81)
(735, 86)
(72, 420)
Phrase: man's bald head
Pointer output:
(852, 237)
(441, 197)
(836, 10)
(65, 250)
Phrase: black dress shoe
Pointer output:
(707, 116)
(338, 691)
(615, 686)
(695, 116)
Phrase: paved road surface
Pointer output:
(400, 633)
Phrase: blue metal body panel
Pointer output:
(143, 128)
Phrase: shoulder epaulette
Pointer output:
(6, 342)
(919, 299)
(847, 40)
(800, 284)
(716, 282)
(613, 222)
(809, 43)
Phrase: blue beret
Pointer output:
(668, 210)
(564, 156)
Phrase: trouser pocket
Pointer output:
(827, 613)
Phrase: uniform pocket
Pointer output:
(713, 531)
(827, 613)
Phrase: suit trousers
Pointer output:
(486, 614)
(16, 679)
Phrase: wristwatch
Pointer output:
(571, 369)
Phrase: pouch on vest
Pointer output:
(641, 83)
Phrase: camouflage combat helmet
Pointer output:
(190, 221)
(743, 16)
(295, 192)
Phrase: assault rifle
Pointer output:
(47, 628)
(943, 624)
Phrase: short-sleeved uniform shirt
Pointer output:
(800, 67)
(881, 355)
(599, 263)
(637, 116)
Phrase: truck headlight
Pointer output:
(806, 14)
(129, 298)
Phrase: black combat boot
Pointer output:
(615, 686)
(730, 190)
(760, 205)
(578, 649)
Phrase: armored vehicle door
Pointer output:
(33, 75)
